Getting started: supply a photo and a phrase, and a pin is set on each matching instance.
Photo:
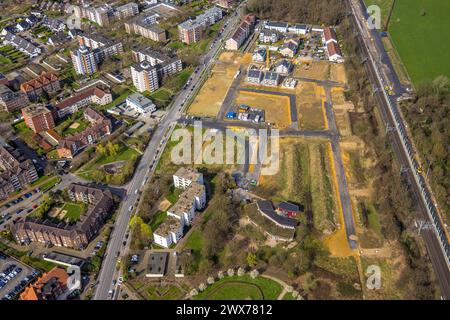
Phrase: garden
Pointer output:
(113, 164)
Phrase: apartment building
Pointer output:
(184, 177)
(47, 83)
(182, 213)
(16, 171)
(12, 101)
(147, 27)
(84, 61)
(168, 232)
(38, 118)
(191, 31)
(76, 235)
(165, 65)
(100, 126)
(242, 32)
(72, 104)
(94, 49)
(52, 285)
(145, 77)
(105, 14)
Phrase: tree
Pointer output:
(220, 274)
(251, 259)
(230, 272)
(202, 287)
(113, 149)
(193, 292)
(241, 272)
(210, 280)
(101, 149)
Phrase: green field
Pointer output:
(420, 31)
(74, 211)
(242, 288)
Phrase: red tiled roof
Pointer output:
(333, 48)
(329, 34)
(44, 79)
(82, 95)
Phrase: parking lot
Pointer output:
(14, 277)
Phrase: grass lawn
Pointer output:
(195, 241)
(157, 219)
(124, 154)
(420, 32)
(74, 211)
(288, 296)
(49, 184)
(241, 288)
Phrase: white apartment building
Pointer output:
(184, 177)
(84, 61)
(145, 77)
(168, 232)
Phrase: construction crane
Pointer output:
(267, 58)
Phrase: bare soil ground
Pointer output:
(310, 106)
(337, 73)
(210, 97)
(318, 70)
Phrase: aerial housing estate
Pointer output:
(106, 14)
(71, 235)
(151, 66)
(182, 213)
(191, 30)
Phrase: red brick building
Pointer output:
(47, 82)
(38, 118)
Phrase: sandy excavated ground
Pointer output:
(318, 70)
(210, 98)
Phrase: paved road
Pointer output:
(340, 173)
(436, 242)
(145, 168)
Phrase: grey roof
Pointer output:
(157, 263)
(254, 73)
(277, 24)
(271, 75)
(266, 207)
(64, 258)
(287, 206)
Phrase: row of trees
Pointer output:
(428, 117)
(328, 12)
(110, 149)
